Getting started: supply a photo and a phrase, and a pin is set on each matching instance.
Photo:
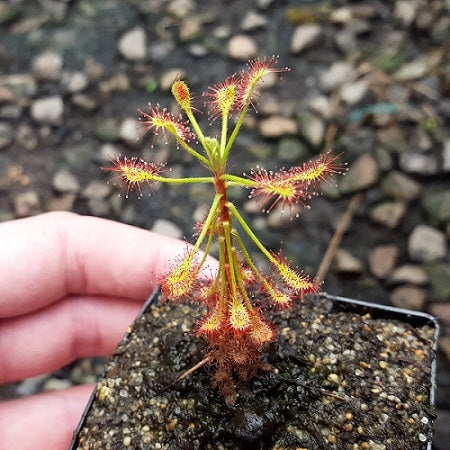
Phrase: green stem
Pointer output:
(234, 180)
(223, 138)
(250, 233)
(231, 261)
(194, 153)
(212, 213)
(183, 180)
(222, 273)
(235, 132)
(210, 238)
(247, 257)
(240, 282)
(252, 264)
(196, 127)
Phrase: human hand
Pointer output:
(70, 286)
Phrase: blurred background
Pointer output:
(370, 79)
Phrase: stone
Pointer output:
(384, 159)
(442, 311)
(167, 228)
(65, 182)
(242, 47)
(198, 50)
(413, 70)
(362, 174)
(408, 274)
(382, 260)
(62, 202)
(401, 187)
(26, 137)
(388, 214)
(252, 206)
(6, 135)
(446, 156)
(282, 217)
(341, 15)
(48, 110)
(426, 244)
(168, 78)
(20, 86)
(320, 104)
(346, 41)
(264, 4)
(94, 70)
(408, 297)
(108, 130)
(133, 44)
(345, 262)
(96, 190)
(304, 37)
(84, 102)
(54, 383)
(10, 112)
(393, 139)
(190, 29)
(291, 149)
(99, 207)
(365, 11)
(181, 8)
(444, 345)
(47, 66)
(27, 204)
(405, 11)
(75, 82)
(277, 126)
(421, 140)
(419, 163)
(31, 385)
(6, 96)
(253, 20)
(437, 205)
(119, 82)
(335, 76)
(311, 127)
(129, 131)
(358, 27)
(221, 32)
(439, 276)
(269, 105)
(158, 51)
(353, 93)
(260, 150)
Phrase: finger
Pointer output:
(46, 257)
(52, 337)
(42, 422)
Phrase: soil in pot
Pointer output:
(334, 380)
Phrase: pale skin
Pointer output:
(70, 287)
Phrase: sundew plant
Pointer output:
(233, 325)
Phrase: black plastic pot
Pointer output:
(334, 304)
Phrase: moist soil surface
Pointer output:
(338, 380)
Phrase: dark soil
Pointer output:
(338, 380)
